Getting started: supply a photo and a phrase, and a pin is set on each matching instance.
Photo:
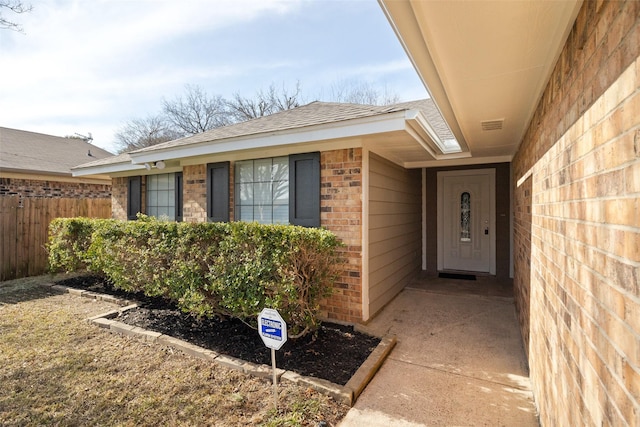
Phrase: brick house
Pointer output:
(525, 164)
(38, 165)
(322, 164)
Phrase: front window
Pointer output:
(262, 190)
(163, 194)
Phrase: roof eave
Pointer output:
(34, 171)
(422, 131)
(410, 38)
(389, 122)
(107, 169)
(412, 121)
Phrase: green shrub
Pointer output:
(68, 240)
(208, 269)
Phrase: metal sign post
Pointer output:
(275, 379)
(273, 331)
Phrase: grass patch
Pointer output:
(57, 369)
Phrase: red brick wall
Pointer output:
(119, 190)
(577, 225)
(194, 180)
(341, 213)
(56, 189)
(522, 256)
(120, 187)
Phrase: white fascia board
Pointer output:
(107, 169)
(347, 129)
(454, 160)
(419, 134)
(404, 22)
(420, 129)
(276, 151)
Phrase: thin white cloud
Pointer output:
(84, 58)
(66, 39)
(90, 65)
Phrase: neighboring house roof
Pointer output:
(23, 151)
(295, 121)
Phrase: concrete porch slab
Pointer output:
(458, 361)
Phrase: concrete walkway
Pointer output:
(459, 360)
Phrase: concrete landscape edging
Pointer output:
(347, 394)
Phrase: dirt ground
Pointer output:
(58, 369)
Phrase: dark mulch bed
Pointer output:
(334, 354)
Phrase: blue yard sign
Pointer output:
(272, 328)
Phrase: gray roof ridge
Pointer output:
(32, 132)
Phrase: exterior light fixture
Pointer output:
(159, 164)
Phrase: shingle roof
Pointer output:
(315, 113)
(36, 152)
(120, 158)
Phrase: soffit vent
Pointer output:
(492, 124)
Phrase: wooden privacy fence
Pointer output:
(24, 224)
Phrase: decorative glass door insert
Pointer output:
(465, 217)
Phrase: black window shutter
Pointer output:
(134, 197)
(178, 201)
(218, 192)
(304, 189)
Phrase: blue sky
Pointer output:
(89, 66)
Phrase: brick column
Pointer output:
(195, 193)
(341, 213)
(119, 190)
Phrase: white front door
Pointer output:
(466, 220)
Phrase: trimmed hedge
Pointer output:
(210, 269)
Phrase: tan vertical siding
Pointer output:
(395, 229)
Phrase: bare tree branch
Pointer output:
(196, 112)
(285, 99)
(360, 92)
(264, 103)
(14, 6)
(140, 133)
